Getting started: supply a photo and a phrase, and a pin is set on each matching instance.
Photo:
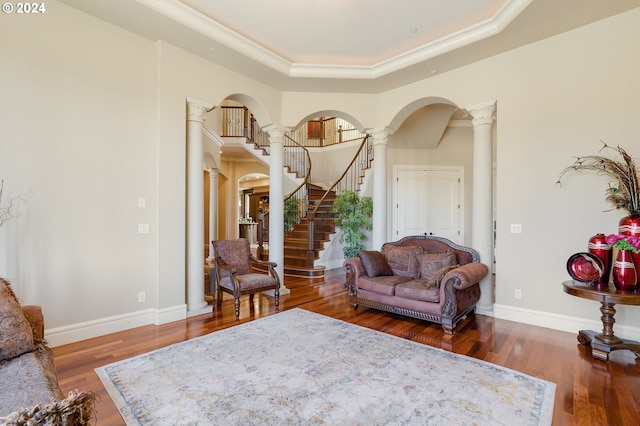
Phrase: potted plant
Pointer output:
(291, 214)
(353, 216)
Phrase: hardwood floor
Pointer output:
(589, 392)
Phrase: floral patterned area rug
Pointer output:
(302, 368)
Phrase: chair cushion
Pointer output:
(431, 262)
(402, 259)
(16, 334)
(249, 282)
(28, 380)
(418, 289)
(374, 263)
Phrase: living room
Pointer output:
(93, 119)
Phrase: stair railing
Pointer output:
(351, 179)
(298, 160)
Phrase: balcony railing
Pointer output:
(239, 122)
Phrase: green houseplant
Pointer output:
(353, 216)
(290, 213)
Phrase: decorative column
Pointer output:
(213, 209)
(276, 199)
(482, 211)
(195, 207)
(379, 220)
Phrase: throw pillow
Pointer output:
(439, 275)
(16, 335)
(432, 261)
(402, 259)
(374, 263)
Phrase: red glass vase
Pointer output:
(630, 225)
(599, 248)
(624, 272)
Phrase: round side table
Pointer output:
(604, 343)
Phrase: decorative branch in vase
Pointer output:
(624, 190)
(7, 213)
(623, 193)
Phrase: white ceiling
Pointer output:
(360, 46)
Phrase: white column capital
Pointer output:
(276, 132)
(213, 172)
(482, 113)
(380, 134)
(196, 109)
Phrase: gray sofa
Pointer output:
(425, 277)
(29, 393)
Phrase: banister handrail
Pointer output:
(361, 160)
(369, 158)
(301, 191)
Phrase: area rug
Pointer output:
(302, 368)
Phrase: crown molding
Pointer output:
(197, 21)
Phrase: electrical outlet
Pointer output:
(141, 296)
(518, 294)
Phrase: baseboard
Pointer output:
(171, 314)
(560, 322)
(86, 330)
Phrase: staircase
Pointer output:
(297, 253)
(315, 218)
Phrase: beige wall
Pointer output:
(93, 118)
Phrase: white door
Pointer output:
(428, 203)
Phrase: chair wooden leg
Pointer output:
(251, 297)
(237, 304)
(276, 295)
(218, 297)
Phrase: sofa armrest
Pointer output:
(35, 317)
(460, 290)
(466, 275)
(353, 268)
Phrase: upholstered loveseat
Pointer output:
(29, 391)
(425, 277)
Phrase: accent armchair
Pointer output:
(235, 273)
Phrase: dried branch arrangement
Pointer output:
(7, 213)
(624, 191)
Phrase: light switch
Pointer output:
(142, 202)
(516, 228)
(143, 228)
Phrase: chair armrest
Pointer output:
(270, 265)
(35, 317)
(257, 261)
(466, 275)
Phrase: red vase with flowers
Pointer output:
(624, 272)
(630, 225)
